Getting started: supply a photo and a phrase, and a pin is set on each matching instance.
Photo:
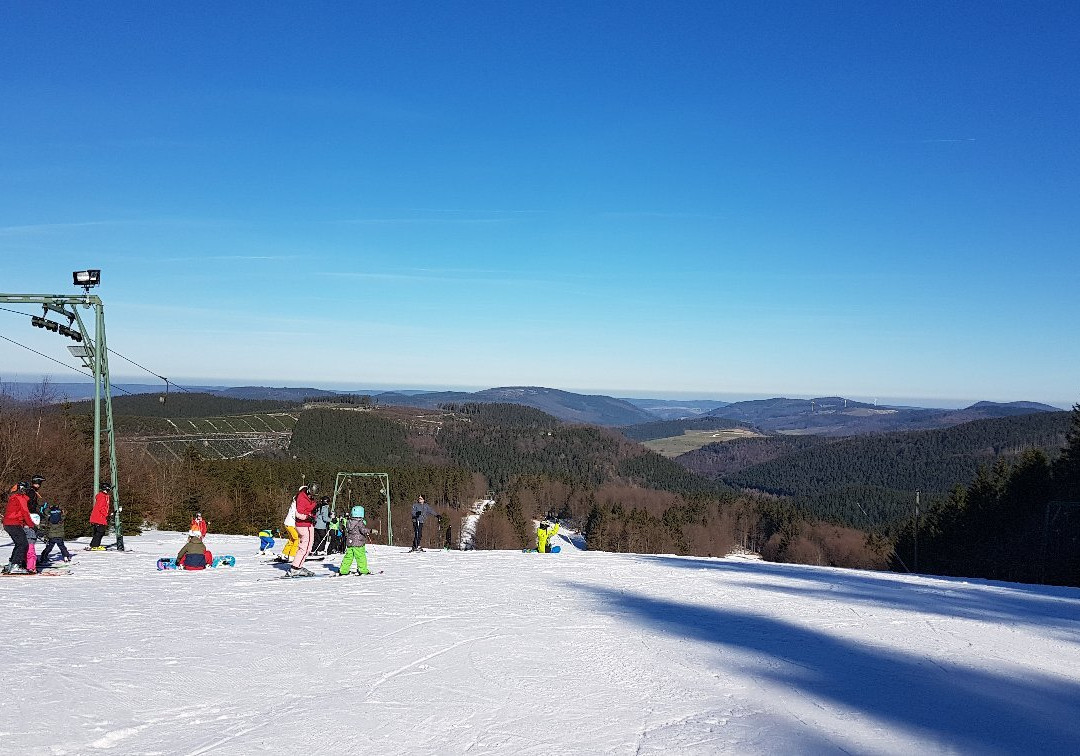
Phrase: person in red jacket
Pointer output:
(16, 518)
(199, 524)
(305, 523)
(99, 517)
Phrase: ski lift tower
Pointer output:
(384, 491)
(94, 354)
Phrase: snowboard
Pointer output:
(552, 550)
(169, 563)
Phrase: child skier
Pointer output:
(356, 535)
(543, 534)
(289, 551)
(337, 532)
(52, 523)
(266, 540)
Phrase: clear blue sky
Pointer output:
(870, 199)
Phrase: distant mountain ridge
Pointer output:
(824, 416)
(564, 405)
(837, 416)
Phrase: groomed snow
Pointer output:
(505, 652)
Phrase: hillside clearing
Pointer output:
(695, 439)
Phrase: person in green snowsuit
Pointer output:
(356, 535)
(543, 533)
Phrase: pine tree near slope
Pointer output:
(1067, 466)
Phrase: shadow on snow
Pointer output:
(1051, 607)
(955, 706)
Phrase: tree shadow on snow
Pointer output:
(1046, 606)
(959, 708)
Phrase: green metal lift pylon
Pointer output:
(95, 356)
(343, 477)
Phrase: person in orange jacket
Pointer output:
(16, 520)
(99, 517)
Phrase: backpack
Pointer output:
(55, 515)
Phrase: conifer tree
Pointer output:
(1067, 466)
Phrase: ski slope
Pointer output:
(474, 652)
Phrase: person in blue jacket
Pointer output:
(266, 540)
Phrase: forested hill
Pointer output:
(185, 405)
(499, 441)
(839, 475)
(836, 416)
(563, 405)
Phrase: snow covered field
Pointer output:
(504, 652)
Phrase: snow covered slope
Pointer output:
(505, 652)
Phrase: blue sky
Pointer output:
(635, 198)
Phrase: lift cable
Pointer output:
(58, 362)
(113, 351)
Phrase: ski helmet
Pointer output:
(357, 511)
(23, 486)
(37, 480)
(106, 487)
(313, 488)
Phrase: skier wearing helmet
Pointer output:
(35, 503)
(99, 517)
(199, 524)
(305, 521)
(16, 520)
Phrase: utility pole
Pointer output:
(94, 354)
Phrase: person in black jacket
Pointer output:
(419, 510)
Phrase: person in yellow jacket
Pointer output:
(543, 533)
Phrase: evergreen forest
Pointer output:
(997, 496)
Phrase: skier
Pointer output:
(16, 521)
(322, 524)
(305, 520)
(543, 533)
(194, 555)
(337, 534)
(356, 537)
(99, 517)
(199, 524)
(35, 504)
(266, 540)
(289, 551)
(419, 510)
(53, 525)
